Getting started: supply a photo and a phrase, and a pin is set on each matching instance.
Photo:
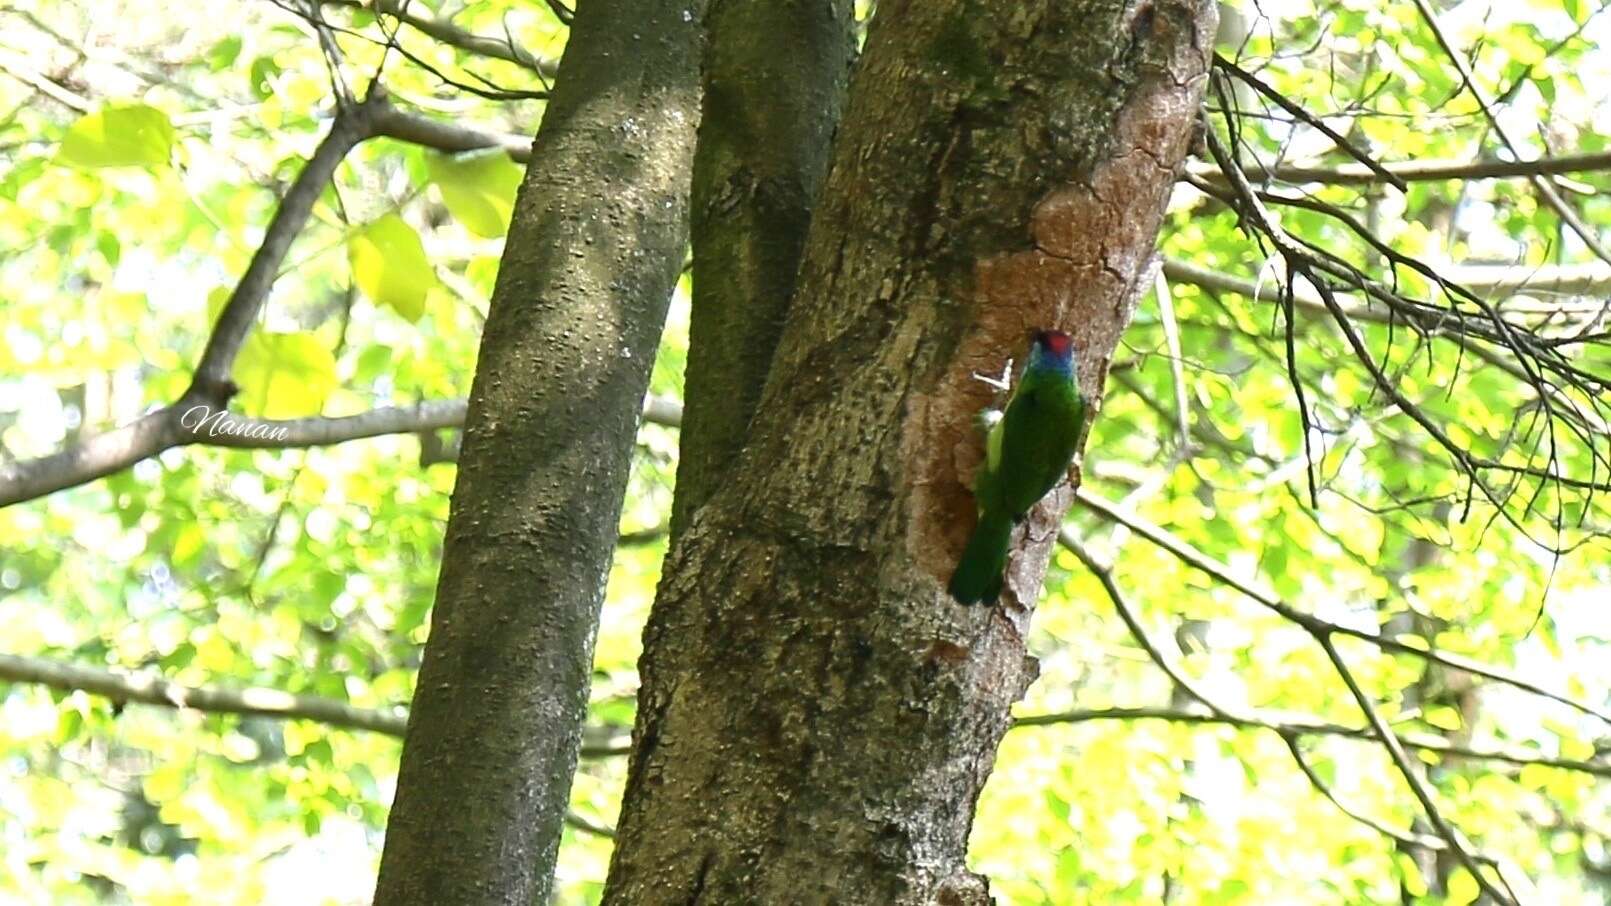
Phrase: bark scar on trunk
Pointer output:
(1088, 260)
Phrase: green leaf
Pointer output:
(1057, 806)
(261, 75)
(1463, 888)
(110, 248)
(20, 175)
(1546, 89)
(1410, 874)
(372, 363)
(188, 545)
(69, 723)
(284, 375)
(217, 298)
(1069, 868)
(1444, 718)
(223, 54)
(389, 265)
(478, 188)
(136, 135)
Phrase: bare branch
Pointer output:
(562, 12)
(1541, 361)
(1104, 575)
(1498, 281)
(1552, 197)
(312, 12)
(663, 410)
(1422, 841)
(112, 451)
(1177, 371)
(1592, 279)
(1304, 725)
(448, 33)
(1411, 171)
(1290, 728)
(1297, 111)
(256, 701)
(1418, 786)
(204, 427)
(586, 825)
(120, 686)
(352, 125)
(154, 690)
(643, 536)
(89, 459)
(150, 689)
(190, 423)
(449, 137)
(211, 388)
(1222, 573)
(72, 101)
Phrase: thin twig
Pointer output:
(1222, 573)
(1319, 268)
(1297, 111)
(255, 701)
(1541, 183)
(448, 33)
(352, 125)
(1421, 841)
(149, 689)
(1305, 725)
(71, 100)
(199, 424)
(1418, 787)
(1412, 171)
(1104, 575)
(1171, 332)
(154, 690)
(315, 16)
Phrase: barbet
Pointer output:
(1027, 452)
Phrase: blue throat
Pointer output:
(1042, 360)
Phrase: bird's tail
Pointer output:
(979, 573)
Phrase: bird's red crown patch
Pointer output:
(1056, 341)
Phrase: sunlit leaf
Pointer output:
(479, 188)
(389, 265)
(284, 375)
(136, 135)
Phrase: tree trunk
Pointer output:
(817, 717)
(593, 253)
(774, 75)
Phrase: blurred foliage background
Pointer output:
(143, 146)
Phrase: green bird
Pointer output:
(1027, 453)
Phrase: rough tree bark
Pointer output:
(774, 76)
(593, 253)
(817, 717)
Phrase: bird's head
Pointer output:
(1051, 349)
